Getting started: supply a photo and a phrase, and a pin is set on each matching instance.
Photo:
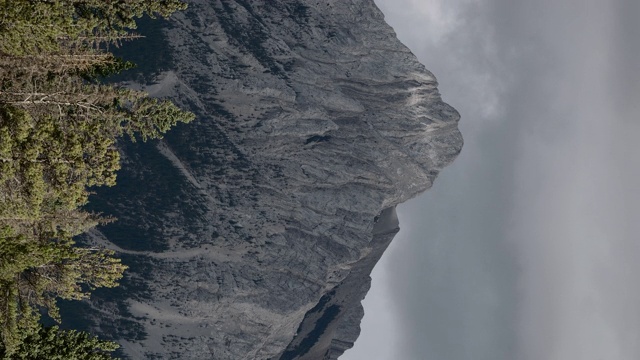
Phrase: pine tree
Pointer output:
(49, 164)
(35, 27)
(41, 26)
(120, 15)
(59, 128)
(39, 267)
(59, 137)
(51, 343)
(76, 62)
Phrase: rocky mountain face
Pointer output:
(251, 233)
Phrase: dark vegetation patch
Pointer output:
(151, 54)
(117, 327)
(123, 325)
(148, 181)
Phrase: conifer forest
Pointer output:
(61, 121)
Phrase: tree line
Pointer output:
(59, 128)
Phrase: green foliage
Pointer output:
(100, 71)
(149, 117)
(59, 139)
(49, 162)
(59, 129)
(32, 27)
(51, 343)
(118, 15)
(47, 26)
(38, 268)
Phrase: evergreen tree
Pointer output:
(85, 62)
(41, 26)
(120, 15)
(36, 27)
(59, 138)
(51, 343)
(43, 265)
(59, 128)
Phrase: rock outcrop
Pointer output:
(251, 233)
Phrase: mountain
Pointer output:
(251, 233)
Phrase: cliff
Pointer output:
(251, 233)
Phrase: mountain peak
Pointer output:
(251, 232)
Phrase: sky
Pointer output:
(526, 246)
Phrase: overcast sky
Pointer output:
(526, 248)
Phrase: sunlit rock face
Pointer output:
(251, 233)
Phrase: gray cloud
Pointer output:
(525, 247)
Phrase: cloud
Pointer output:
(526, 246)
(438, 17)
(574, 191)
(379, 337)
(433, 25)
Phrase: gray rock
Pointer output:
(251, 233)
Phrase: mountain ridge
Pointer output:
(262, 219)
